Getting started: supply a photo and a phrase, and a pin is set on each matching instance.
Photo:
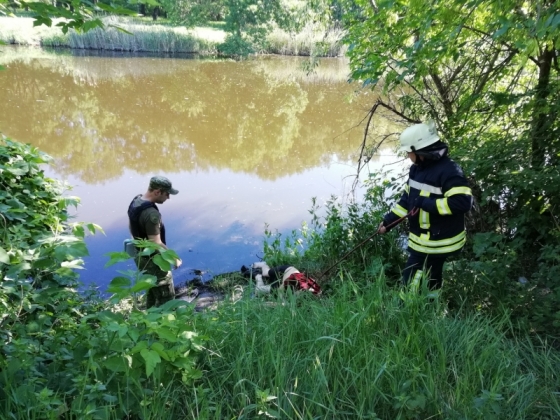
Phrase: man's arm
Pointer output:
(157, 240)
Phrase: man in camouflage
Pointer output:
(145, 223)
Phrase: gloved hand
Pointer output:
(419, 201)
(381, 229)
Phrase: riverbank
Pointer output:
(364, 349)
(165, 39)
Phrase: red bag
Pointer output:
(300, 281)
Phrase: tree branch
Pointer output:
(443, 93)
(369, 116)
(509, 47)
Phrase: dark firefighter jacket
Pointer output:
(439, 226)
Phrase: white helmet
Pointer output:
(418, 136)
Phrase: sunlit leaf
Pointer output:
(4, 257)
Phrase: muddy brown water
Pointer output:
(247, 144)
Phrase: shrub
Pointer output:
(342, 238)
(65, 352)
(235, 46)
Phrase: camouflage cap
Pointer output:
(162, 183)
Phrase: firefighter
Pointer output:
(437, 188)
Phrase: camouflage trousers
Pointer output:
(164, 290)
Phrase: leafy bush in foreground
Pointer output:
(68, 354)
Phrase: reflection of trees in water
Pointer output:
(193, 115)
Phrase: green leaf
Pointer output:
(501, 31)
(110, 398)
(173, 304)
(145, 284)
(118, 28)
(133, 334)
(160, 349)
(91, 24)
(71, 250)
(79, 231)
(186, 363)
(116, 257)
(17, 171)
(74, 264)
(108, 316)
(92, 227)
(15, 203)
(42, 20)
(116, 364)
(167, 334)
(151, 358)
(162, 263)
(118, 284)
(4, 257)
(139, 347)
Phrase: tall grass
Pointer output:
(146, 38)
(161, 37)
(369, 353)
(309, 42)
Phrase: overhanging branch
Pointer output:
(362, 161)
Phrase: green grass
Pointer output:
(363, 352)
(369, 353)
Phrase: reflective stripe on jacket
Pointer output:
(439, 226)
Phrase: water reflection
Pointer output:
(246, 143)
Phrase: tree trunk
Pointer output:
(542, 120)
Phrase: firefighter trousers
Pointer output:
(420, 266)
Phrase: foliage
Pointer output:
(193, 12)
(68, 353)
(247, 22)
(343, 238)
(235, 46)
(487, 73)
(70, 14)
(39, 247)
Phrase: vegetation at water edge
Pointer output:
(364, 350)
(487, 73)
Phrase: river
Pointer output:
(247, 144)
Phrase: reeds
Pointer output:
(165, 39)
(137, 38)
(309, 42)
